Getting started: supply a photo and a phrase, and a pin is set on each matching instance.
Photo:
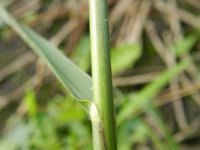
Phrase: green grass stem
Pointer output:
(101, 77)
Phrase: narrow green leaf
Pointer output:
(124, 57)
(144, 96)
(76, 80)
(81, 54)
(185, 44)
(30, 103)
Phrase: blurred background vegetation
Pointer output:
(158, 93)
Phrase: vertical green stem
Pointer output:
(102, 78)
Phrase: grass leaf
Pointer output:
(76, 80)
(124, 57)
(185, 44)
(144, 96)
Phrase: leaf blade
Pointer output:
(124, 57)
(76, 80)
(150, 91)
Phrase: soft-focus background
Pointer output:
(149, 41)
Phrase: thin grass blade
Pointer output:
(72, 77)
(151, 90)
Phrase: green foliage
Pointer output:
(124, 56)
(81, 55)
(131, 132)
(17, 137)
(142, 97)
(62, 124)
(185, 45)
(73, 78)
(59, 126)
(30, 102)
